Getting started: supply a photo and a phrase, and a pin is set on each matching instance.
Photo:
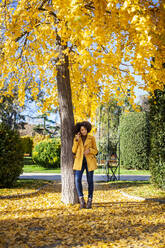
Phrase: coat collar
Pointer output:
(86, 141)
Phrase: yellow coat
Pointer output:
(78, 149)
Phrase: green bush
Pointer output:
(134, 140)
(157, 139)
(47, 153)
(27, 144)
(11, 156)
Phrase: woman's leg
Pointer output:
(78, 181)
(90, 187)
(89, 175)
(90, 183)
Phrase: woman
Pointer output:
(84, 148)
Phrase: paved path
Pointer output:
(97, 178)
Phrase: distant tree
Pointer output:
(144, 103)
(48, 126)
(10, 112)
(107, 125)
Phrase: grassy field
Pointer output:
(139, 188)
(29, 167)
(38, 169)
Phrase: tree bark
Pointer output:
(69, 194)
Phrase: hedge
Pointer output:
(27, 144)
(157, 139)
(134, 140)
(11, 159)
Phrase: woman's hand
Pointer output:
(86, 151)
(77, 136)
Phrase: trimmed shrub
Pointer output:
(11, 159)
(157, 139)
(27, 144)
(134, 140)
(47, 153)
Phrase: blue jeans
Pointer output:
(78, 180)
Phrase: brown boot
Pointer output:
(82, 202)
(89, 203)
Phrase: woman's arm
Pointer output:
(93, 150)
(75, 145)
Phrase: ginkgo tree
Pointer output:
(80, 53)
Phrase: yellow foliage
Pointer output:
(107, 43)
(39, 138)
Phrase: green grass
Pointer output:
(139, 188)
(39, 169)
(125, 172)
(29, 167)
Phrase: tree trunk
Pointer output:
(69, 194)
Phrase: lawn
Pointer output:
(39, 169)
(139, 188)
(29, 167)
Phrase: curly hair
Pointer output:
(85, 124)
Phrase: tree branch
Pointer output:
(42, 4)
(89, 6)
(119, 69)
(23, 34)
(125, 64)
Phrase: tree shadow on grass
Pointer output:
(35, 186)
(47, 187)
(28, 160)
(30, 183)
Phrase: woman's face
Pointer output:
(83, 130)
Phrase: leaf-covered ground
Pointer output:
(43, 221)
(22, 187)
